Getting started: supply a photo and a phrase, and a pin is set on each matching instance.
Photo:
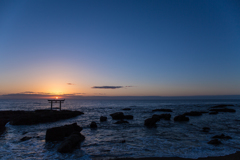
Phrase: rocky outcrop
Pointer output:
(161, 116)
(162, 110)
(193, 113)
(71, 142)
(222, 106)
(222, 136)
(223, 110)
(181, 118)
(43, 116)
(93, 125)
(126, 109)
(117, 115)
(128, 117)
(103, 119)
(215, 142)
(59, 133)
(150, 122)
(121, 122)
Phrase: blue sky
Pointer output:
(157, 48)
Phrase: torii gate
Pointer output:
(56, 101)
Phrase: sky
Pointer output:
(119, 47)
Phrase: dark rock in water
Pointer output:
(71, 142)
(3, 122)
(213, 112)
(164, 116)
(162, 110)
(222, 106)
(193, 113)
(128, 117)
(93, 125)
(215, 142)
(205, 129)
(58, 133)
(126, 109)
(181, 118)
(25, 138)
(150, 122)
(102, 119)
(123, 141)
(117, 115)
(121, 122)
(43, 116)
(222, 136)
(223, 110)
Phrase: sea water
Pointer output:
(167, 139)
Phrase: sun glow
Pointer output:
(56, 97)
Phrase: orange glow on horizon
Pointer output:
(56, 97)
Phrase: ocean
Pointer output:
(167, 139)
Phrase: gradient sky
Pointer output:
(120, 47)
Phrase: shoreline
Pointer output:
(234, 156)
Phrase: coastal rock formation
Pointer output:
(181, 118)
(193, 113)
(215, 142)
(223, 110)
(71, 142)
(162, 110)
(150, 122)
(59, 133)
(93, 125)
(128, 117)
(117, 115)
(222, 136)
(103, 119)
(121, 122)
(43, 116)
(126, 109)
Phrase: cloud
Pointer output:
(70, 84)
(110, 87)
(107, 87)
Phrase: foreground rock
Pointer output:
(181, 118)
(59, 133)
(117, 115)
(71, 142)
(215, 142)
(150, 122)
(222, 136)
(193, 113)
(162, 110)
(93, 125)
(43, 116)
(103, 119)
(223, 110)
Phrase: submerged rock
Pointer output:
(71, 142)
(222, 106)
(193, 113)
(213, 112)
(162, 110)
(215, 142)
(164, 116)
(25, 138)
(150, 122)
(222, 136)
(205, 129)
(93, 125)
(223, 110)
(103, 119)
(128, 117)
(126, 109)
(58, 133)
(117, 115)
(121, 122)
(181, 118)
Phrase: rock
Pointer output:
(205, 129)
(193, 113)
(117, 115)
(103, 119)
(126, 109)
(164, 116)
(223, 110)
(150, 122)
(58, 133)
(71, 142)
(213, 112)
(43, 116)
(128, 117)
(123, 141)
(181, 118)
(25, 138)
(162, 110)
(93, 125)
(222, 136)
(215, 142)
(121, 122)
